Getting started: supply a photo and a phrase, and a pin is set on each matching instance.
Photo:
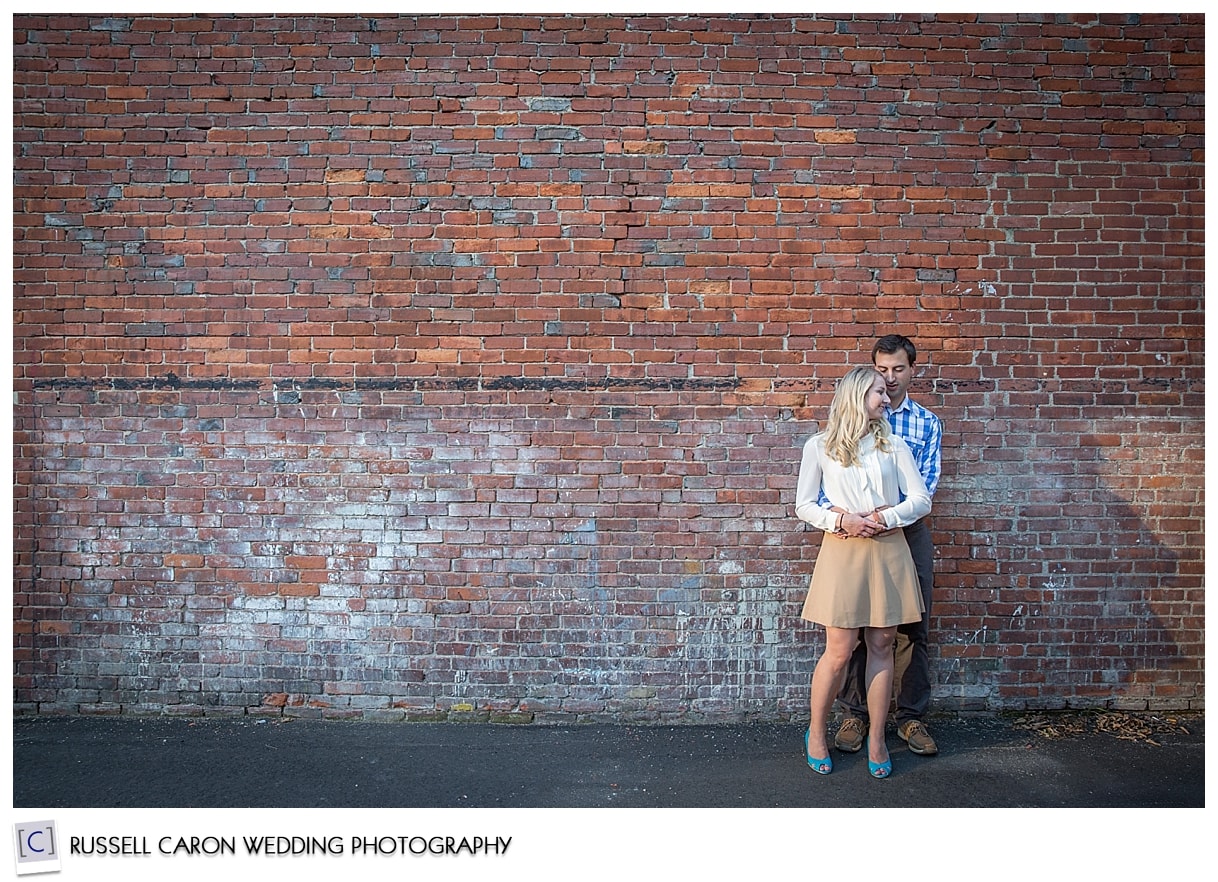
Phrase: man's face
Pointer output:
(897, 373)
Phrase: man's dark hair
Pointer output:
(890, 343)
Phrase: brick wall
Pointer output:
(448, 367)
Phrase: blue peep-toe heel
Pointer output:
(820, 766)
(880, 770)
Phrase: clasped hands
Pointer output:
(861, 526)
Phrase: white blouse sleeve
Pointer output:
(807, 492)
(916, 504)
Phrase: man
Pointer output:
(894, 357)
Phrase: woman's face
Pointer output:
(877, 399)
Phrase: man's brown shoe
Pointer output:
(913, 733)
(850, 735)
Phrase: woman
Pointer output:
(864, 578)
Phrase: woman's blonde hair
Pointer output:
(848, 422)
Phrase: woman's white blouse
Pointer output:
(880, 479)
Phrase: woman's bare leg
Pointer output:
(879, 687)
(827, 682)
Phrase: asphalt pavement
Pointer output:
(984, 761)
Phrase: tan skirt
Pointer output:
(864, 583)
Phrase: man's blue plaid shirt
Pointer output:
(923, 432)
